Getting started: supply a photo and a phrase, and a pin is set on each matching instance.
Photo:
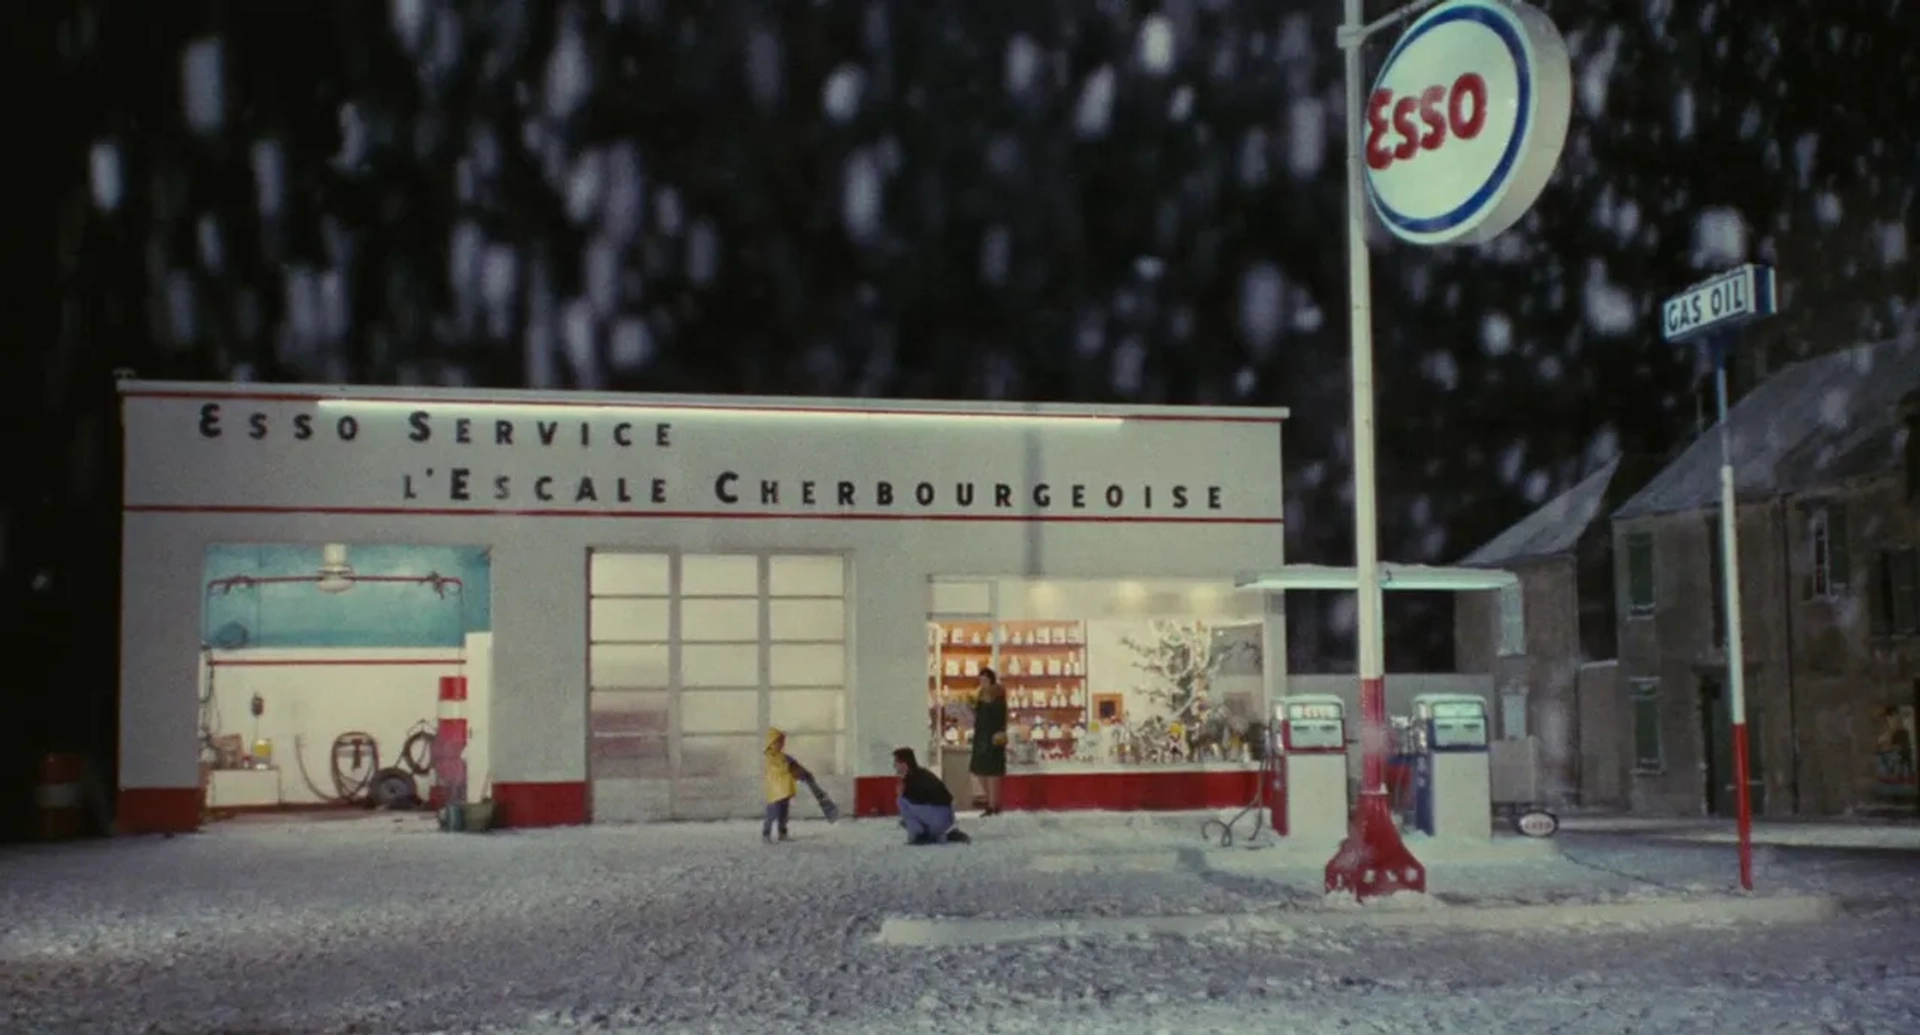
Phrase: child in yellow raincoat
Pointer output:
(779, 784)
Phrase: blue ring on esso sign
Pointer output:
(1466, 121)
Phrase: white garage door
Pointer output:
(691, 658)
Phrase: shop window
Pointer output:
(1826, 553)
(1644, 696)
(1895, 603)
(719, 575)
(628, 620)
(630, 574)
(803, 575)
(807, 621)
(720, 621)
(1912, 449)
(719, 665)
(636, 665)
(1639, 573)
(1099, 673)
(1512, 618)
(807, 665)
(719, 711)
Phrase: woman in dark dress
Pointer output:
(989, 762)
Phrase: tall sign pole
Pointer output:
(1708, 312)
(1455, 142)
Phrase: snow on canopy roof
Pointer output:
(1555, 528)
(1813, 424)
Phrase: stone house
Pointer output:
(1827, 478)
(1544, 642)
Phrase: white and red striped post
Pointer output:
(450, 745)
(1736, 643)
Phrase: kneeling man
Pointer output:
(926, 806)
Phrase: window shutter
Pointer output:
(1839, 566)
(1905, 591)
(1640, 571)
(1880, 596)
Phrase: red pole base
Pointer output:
(1743, 804)
(1373, 862)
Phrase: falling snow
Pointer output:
(204, 91)
(1205, 217)
(1022, 65)
(860, 196)
(1609, 308)
(1262, 291)
(1155, 49)
(1496, 334)
(840, 97)
(109, 188)
(1093, 112)
(1719, 239)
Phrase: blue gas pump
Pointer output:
(1452, 779)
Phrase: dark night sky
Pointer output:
(944, 198)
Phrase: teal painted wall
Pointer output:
(371, 614)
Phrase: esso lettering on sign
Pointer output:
(1465, 121)
(1399, 128)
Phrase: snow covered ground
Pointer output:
(382, 924)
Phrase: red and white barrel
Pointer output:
(58, 801)
(450, 745)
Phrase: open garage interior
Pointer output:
(329, 674)
(692, 658)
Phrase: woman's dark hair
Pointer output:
(906, 755)
(990, 675)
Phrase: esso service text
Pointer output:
(1424, 121)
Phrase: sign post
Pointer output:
(1455, 142)
(1709, 312)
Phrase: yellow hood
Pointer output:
(777, 778)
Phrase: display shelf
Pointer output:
(1042, 664)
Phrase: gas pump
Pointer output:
(1452, 783)
(1311, 805)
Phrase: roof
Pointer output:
(417, 396)
(1817, 423)
(1555, 528)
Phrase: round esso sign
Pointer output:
(1466, 121)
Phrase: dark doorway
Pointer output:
(1716, 734)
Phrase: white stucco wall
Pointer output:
(186, 490)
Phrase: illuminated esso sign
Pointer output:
(1466, 121)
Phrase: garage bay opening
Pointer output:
(344, 675)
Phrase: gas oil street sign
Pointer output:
(1466, 121)
(1723, 301)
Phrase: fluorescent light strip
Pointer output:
(667, 410)
(1410, 577)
